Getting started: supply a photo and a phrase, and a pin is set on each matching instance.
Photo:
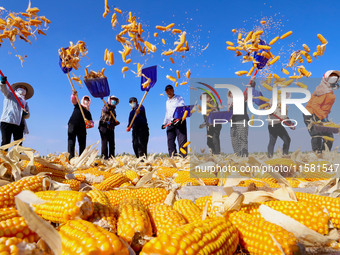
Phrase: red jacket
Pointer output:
(321, 105)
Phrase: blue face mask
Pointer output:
(113, 102)
(133, 105)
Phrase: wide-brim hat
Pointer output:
(29, 88)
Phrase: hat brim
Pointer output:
(115, 98)
(29, 88)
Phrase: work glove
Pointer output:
(3, 79)
(163, 126)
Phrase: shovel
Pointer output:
(179, 112)
(151, 73)
(67, 71)
(11, 89)
(99, 88)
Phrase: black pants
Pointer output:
(213, 138)
(8, 129)
(275, 131)
(179, 132)
(140, 139)
(108, 140)
(73, 133)
(318, 144)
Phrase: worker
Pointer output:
(107, 126)
(175, 128)
(320, 106)
(77, 125)
(13, 118)
(140, 128)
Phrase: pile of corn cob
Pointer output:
(123, 205)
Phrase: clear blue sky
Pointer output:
(205, 22)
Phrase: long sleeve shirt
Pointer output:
(140, 121)
(171, 105)
(321, 105)
(12, 112)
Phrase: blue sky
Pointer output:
(204, 23)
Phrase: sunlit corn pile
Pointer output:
(125, 205)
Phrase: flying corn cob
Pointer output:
(186, 144)
(132, 217)
(83, 237)
(171, 78)
(285, 71)
(274, 40)
(9, 191)
(190, 211)
(274, 60)
(262, 106)
(112, 182)
(231, 48)
(263, 98)
(178, 74)
(240, 73)
(251, 70)
(183, 151)
(62, 206)
(164, 219)
(301, 85)
(155, 34)
(256, 235)
(188, 74)
(328, 138)
(230, 43)
(172, 60)
(147, 196)
(211, 236)
(176, 31)
(322, 39)
(252, 120)
(286, 35)
(305, 47)
(185, 114)
(266, 86)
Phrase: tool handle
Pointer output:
(11, 89)
(113, 116)
(80, 107)
(134, 116)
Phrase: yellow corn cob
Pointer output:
(263, 98)
(255, 235)
(239, 37)
(164, 219)
(262, 106)
(62, 206)
(294, 77)
(161, 28)
(132, 176)
(190, 211)
(230, 43)
(166, 172)
(125, 69)
(171, 78)
(322, 39)
(251, 70)
(147, 196)
(211, 236)
(185, 114)
(264, 47)
(265, 54)
(301, 85)
(103, 214)
(111, 59)
(201, 201)
(328, 138)
(240, 73)
(112, 182)
(186, 144)
(285, 71)
(91, 175)
(178, 74)
(286, 35)
(150, 46)
(231, 48)
(274, 60)
(176, 31)
(155, 34)
(248, 36)
(83, 237)
(315, 54)
(313, 215)
(263, 22)
(9, 191)
(8, 213)
(304, 72)
(17, 227)
(74, 184)
(54, 172)
(132, 217)
(318, 50)
(274, 40)
(172, 60)
(118, 10)
(126, 184)
(252, 119)
(266, 86)
(305, 47)
(188, 73)
(163, 41)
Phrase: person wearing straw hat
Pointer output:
(107, 127)
(77, 126)
(140, 129)
(178, 128)
(13, 118)
(320, 106)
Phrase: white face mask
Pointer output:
(133, 105)
(21, 91)
(86, 102)
(333, 79)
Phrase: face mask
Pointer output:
(133, 105)
(86, 102)
(333, 81)
(21, 91)
(113, 102)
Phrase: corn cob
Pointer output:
(274, 60)
(286, 35)
(17, 227)
(305, 47)
(285, 71)
(103, 214)
(74, 184)
(322, 39)
(281, 161)
(132, 176)
(255, 235)
(190, 211)
(166, 172)
(62, 206)
(147, 196)
(83, 237)
(132, 218)
(266, 86)
(112, 182)
(8, 245)
(274, 40)
(164, 219)
(8, 213)
(230, 43)
(240, 73)
(201, 201)
(91, 175)
(39, 168)
(330, 203)
(126, 184)
(306, 213)
(9, 191)
(211, 236)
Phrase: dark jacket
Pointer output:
(77, 119)
(106, 120)
(140, 121)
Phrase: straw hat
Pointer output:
(29, 88)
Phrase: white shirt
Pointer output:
(171, 105)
